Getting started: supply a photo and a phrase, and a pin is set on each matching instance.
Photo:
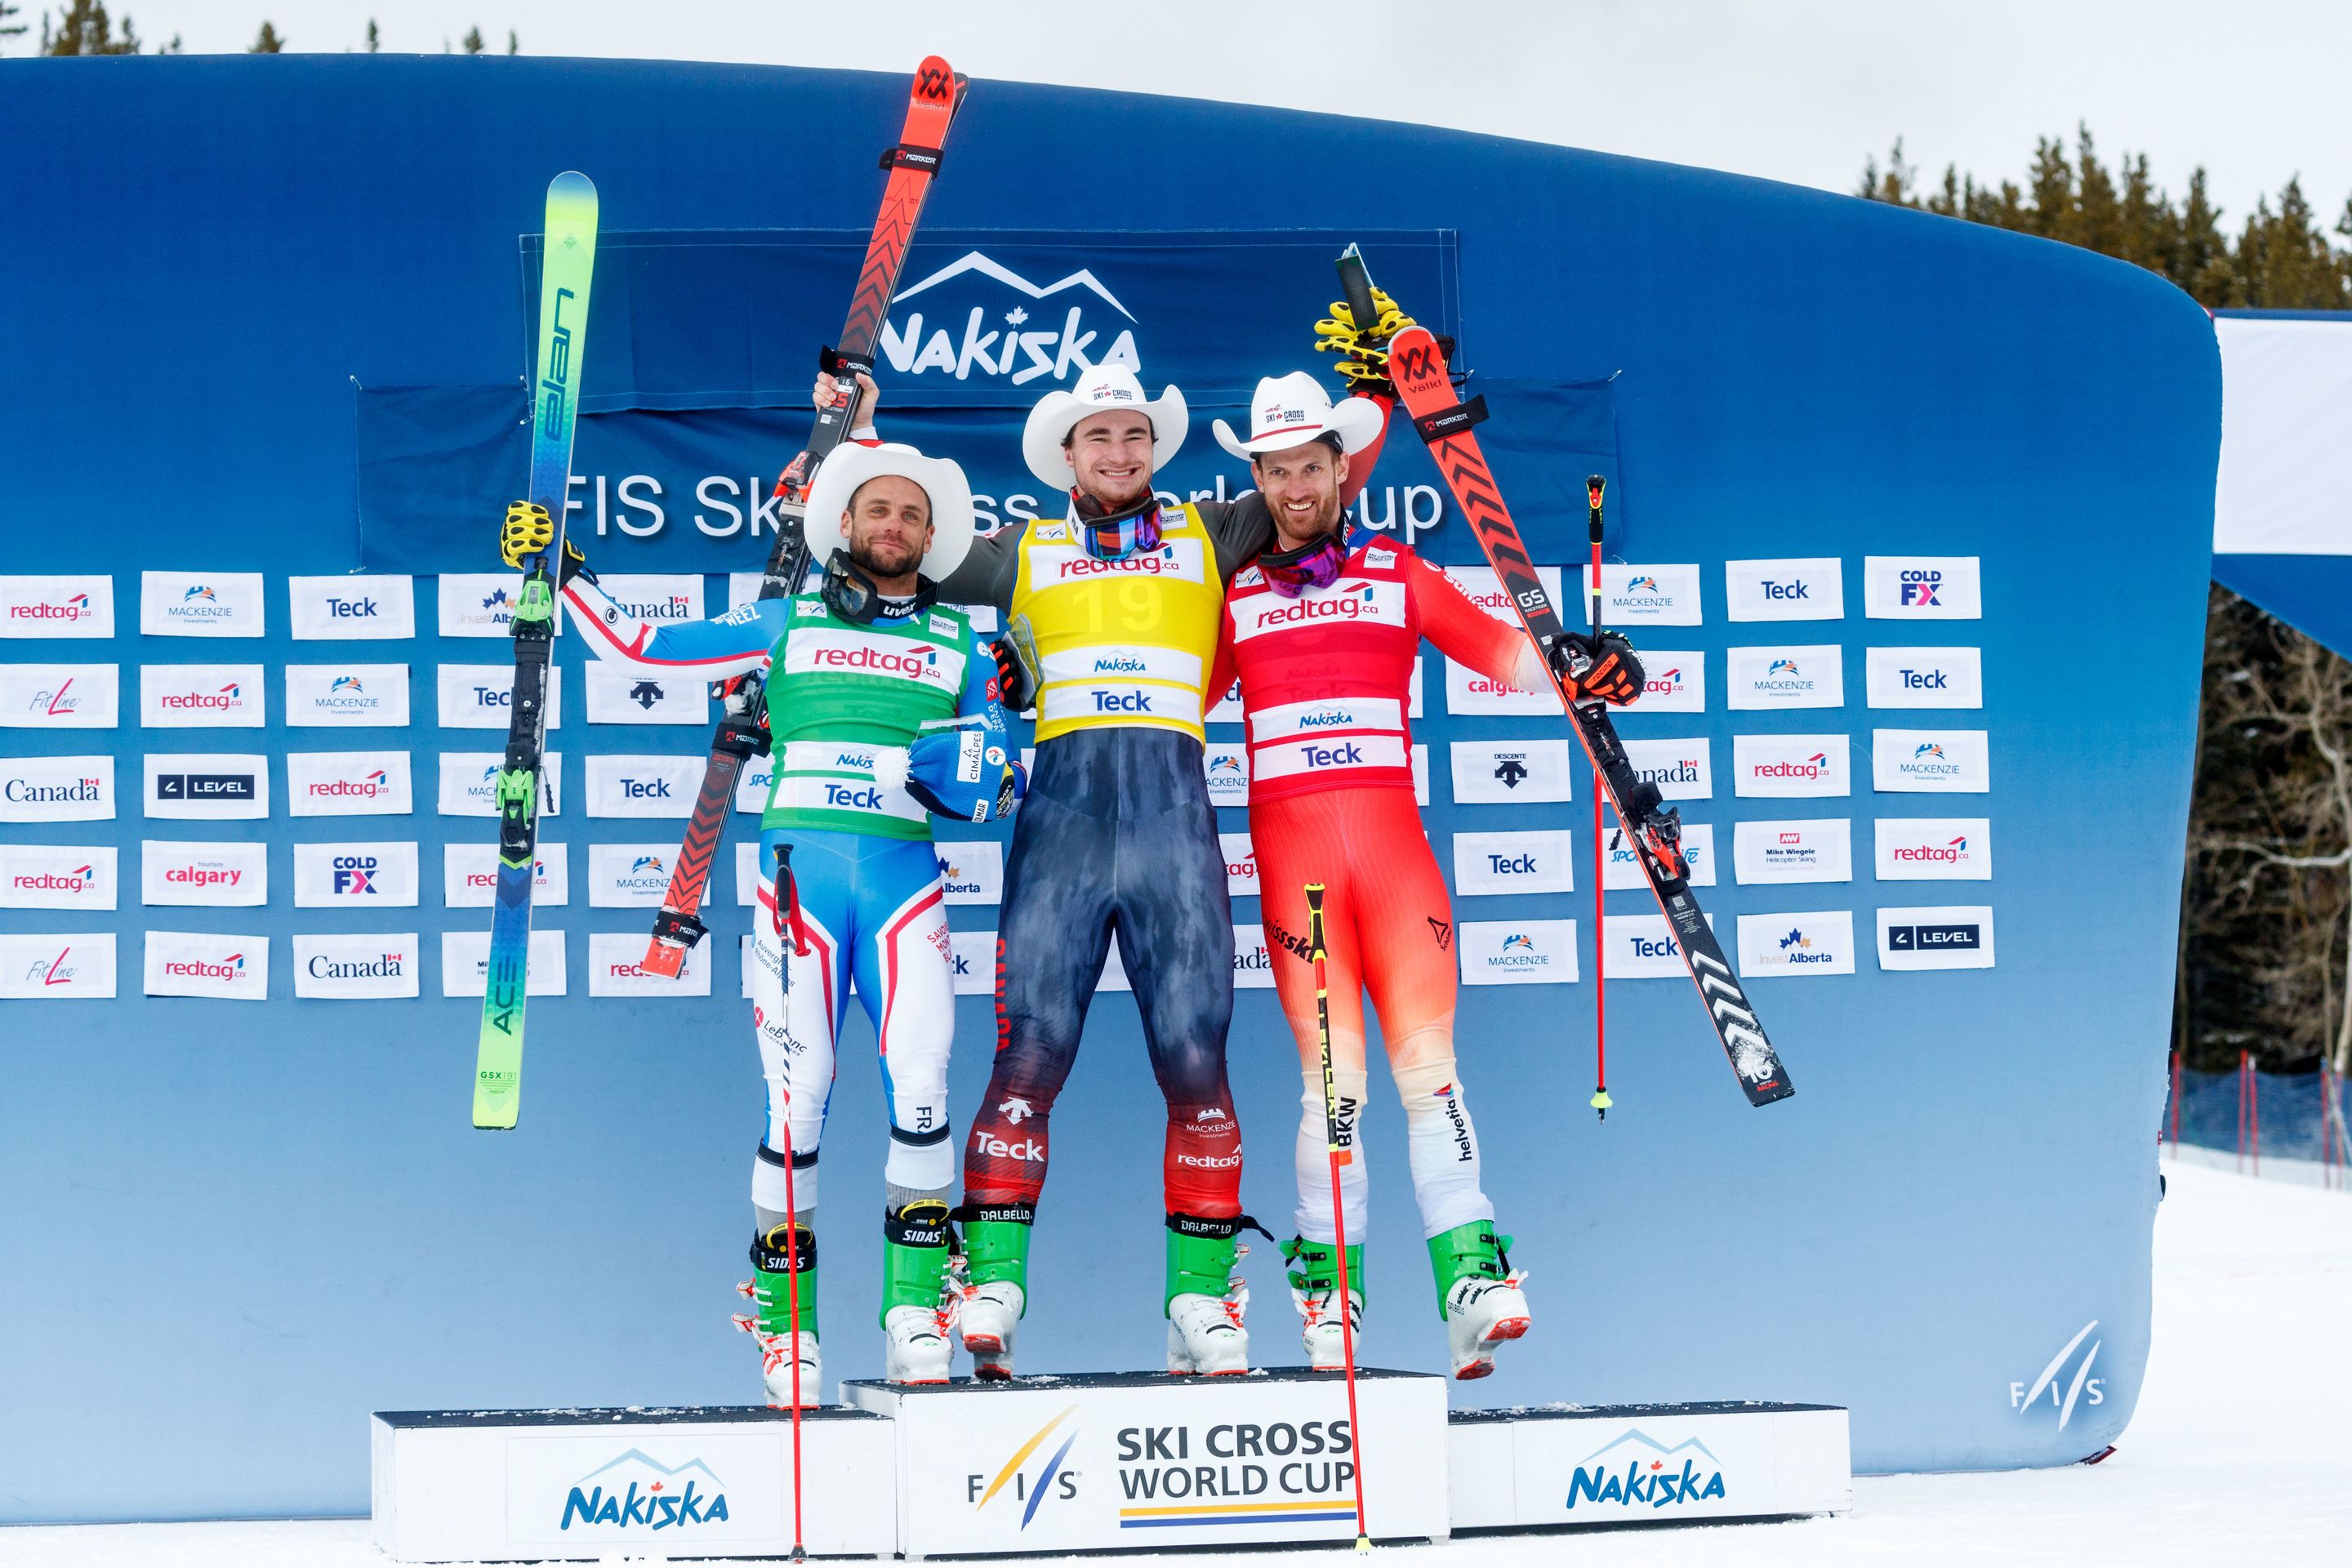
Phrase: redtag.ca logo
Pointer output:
(229, 970)
(367, 788)
(1813, 767)
(70, 609)
(223, 700)
(916, 662)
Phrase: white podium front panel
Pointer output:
(1626, 1464)
(569, 1485)
(1145, 1460)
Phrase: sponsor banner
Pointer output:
(60, 696)
(1817, 849)
(1419, 773)
(1505, 773)
(348, 783)
(1467, 691)
(219, 873)
(480, 603)
(1957, 761)
(1921, 588)
(973, 960)
(1173, 702)
(1811, 675)
(1654, 595)
(1782, 766)
(1287, 759)
(758, 780)
(1241, 865)
(466, 963)
(355, 876)
(67, 966)
(1485, 591)
(1935, 848)
(747, 874)
(1253, 965)
(1286, 720)
(481, 695)
(972, 871)
(1228, 770)
(56, 607)
(57, 875)
(1925, 676)
(207, 785)
(469, 780)
(56, 789)
(623, 694)
(362, 696)
(638, 786)
(1807, 941)
(659, 598)
(362, 966)
(1538, 862)
(1811, 588)
(1227, 709)
(1622, 868)
(1941, 936)
(351, 609)
(1516, 952)
(208, 964)
(630, 876)
(201, 604)
(616, 968)
(1682, 770)
(469, 877)
(746, 956)
(1641, 947)
(1350, 601)
(201, 695)
(1673, 680)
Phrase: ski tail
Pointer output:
(568, 264)
(933, 99)
(1424, 384)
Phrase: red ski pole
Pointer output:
(1594, 486)
(1339, 1145)
(786, 889)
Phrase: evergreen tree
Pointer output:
(83, 28)
(16, 30)
(374, 43)
(268, 43)
(474, 44)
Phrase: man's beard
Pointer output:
(875, 565)
(1324, 522)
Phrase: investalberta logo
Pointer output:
(1650, 1476)
(992, 331)
(662, 1501)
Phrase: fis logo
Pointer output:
(988, 331)
(2024, 1398)
(1011, 1479)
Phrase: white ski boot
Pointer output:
(777, 1354)
(1315, 1292)
(1479, 1293)
(1206, 1335)
(915, 1346)
(988, 1316)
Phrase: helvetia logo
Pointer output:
(1012, 1480)
(1650, 1478)
(72, 609)
(2081, 1385)
(980, 337)
(657, 1501)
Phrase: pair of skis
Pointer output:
(1424, 384)
(914, 161)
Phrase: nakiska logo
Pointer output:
(1650, 1478)
(73, 609)
(1023, 1490)
(980, 337)
(230, 969)
(915, 663)
(226, 698)
(366, 788)
(1329, 719)
(662, 1503)
(1120, 664)
(80, 879)
(2024, 1398)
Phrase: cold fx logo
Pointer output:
(1030, 1493)
(2080, 1386)
(986, 325)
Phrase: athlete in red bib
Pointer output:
(1323, 632)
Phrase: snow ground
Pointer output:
(2240, 1451)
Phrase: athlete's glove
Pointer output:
(965, 773)
(1606, 670)
(1014, 686)
(1363, 347)
(528, 531)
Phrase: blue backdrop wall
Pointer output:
(230, 1231)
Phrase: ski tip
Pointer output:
(572, 183)
(936, 82)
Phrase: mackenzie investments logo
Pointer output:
(1520, 941)
(1641, 585)
(1224, 762)
(983, 325)
(1022, 1489)
(1927, 749)
(654, 1497)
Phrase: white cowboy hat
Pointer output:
(1290, 410)
(1104, 386)
(851, 464)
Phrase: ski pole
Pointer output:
(1594, 486)
(1340, 1147)
(790, 946)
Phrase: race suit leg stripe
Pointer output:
(901, 965)
(796, 1031)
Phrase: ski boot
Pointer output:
(993, 1295)
(914, 1279)
(786, 1347)
(1204, 1301)
(1477, 1295)
(1314, 1287)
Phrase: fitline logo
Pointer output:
(55, 704)
(55, 972)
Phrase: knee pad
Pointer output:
(1421, 1087)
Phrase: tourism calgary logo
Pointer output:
(653, 1498)
(991, 330)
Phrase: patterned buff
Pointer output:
(1113, 536)
(1291, 572)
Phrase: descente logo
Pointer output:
(915, 663)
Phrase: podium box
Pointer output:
(492, 1486)
(1611, 1466)
(1145, 1460)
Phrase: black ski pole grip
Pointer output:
(1593, 485)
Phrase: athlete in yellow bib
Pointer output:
(1115, 606)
